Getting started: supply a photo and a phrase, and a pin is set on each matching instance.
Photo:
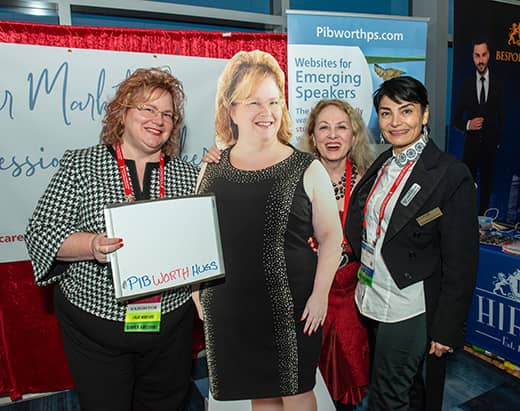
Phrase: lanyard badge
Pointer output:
(142, 315)
(366, 270)
(125, 178)
(345, 247)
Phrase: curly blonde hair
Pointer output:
(360, 153)
(141, 87)
(237, 82)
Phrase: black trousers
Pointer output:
(398, 353)
(428, 388)
(117, 371)
(479, 155)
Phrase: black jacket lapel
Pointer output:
(427, 175)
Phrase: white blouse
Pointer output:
(384, 301)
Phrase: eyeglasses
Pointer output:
(256, 106)
(150, 112)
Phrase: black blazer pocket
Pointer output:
(422, 237)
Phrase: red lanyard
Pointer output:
(387, 198)
(348, 182)
(125, 178)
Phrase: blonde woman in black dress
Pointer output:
(263, 321)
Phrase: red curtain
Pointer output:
(184, 43)
(31, 352)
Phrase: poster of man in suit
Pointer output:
(478, 114)
(484, 126)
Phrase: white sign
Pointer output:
(53, 98)
(167, 243)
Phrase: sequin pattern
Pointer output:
(276, 217)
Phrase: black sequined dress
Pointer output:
(255, 343)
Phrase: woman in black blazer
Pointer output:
(412, 222)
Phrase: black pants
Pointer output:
(428, 388)
(117, 371)
(479, 155)
(398, 355)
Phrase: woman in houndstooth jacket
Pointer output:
(114, 369)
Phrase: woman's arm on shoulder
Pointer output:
(201, 176)
(213, 155)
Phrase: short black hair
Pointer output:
(480, 40)
(399, 89)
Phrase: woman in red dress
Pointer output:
(336, 133)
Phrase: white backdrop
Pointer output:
(53, 98)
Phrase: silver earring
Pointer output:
(425, 131)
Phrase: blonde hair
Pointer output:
(360, 153)
(237, 82)
(141, 87)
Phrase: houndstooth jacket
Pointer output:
(87, 180)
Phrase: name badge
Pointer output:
(365, 272)
(429, 216)
(144, 315)
(410, 194)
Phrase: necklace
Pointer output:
(411, 153)
(340, 186)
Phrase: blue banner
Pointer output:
(347, 56)
(494, 320)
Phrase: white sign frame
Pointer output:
(167, 243)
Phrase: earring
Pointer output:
(425, 131)
(381, 139)
(314, 147)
